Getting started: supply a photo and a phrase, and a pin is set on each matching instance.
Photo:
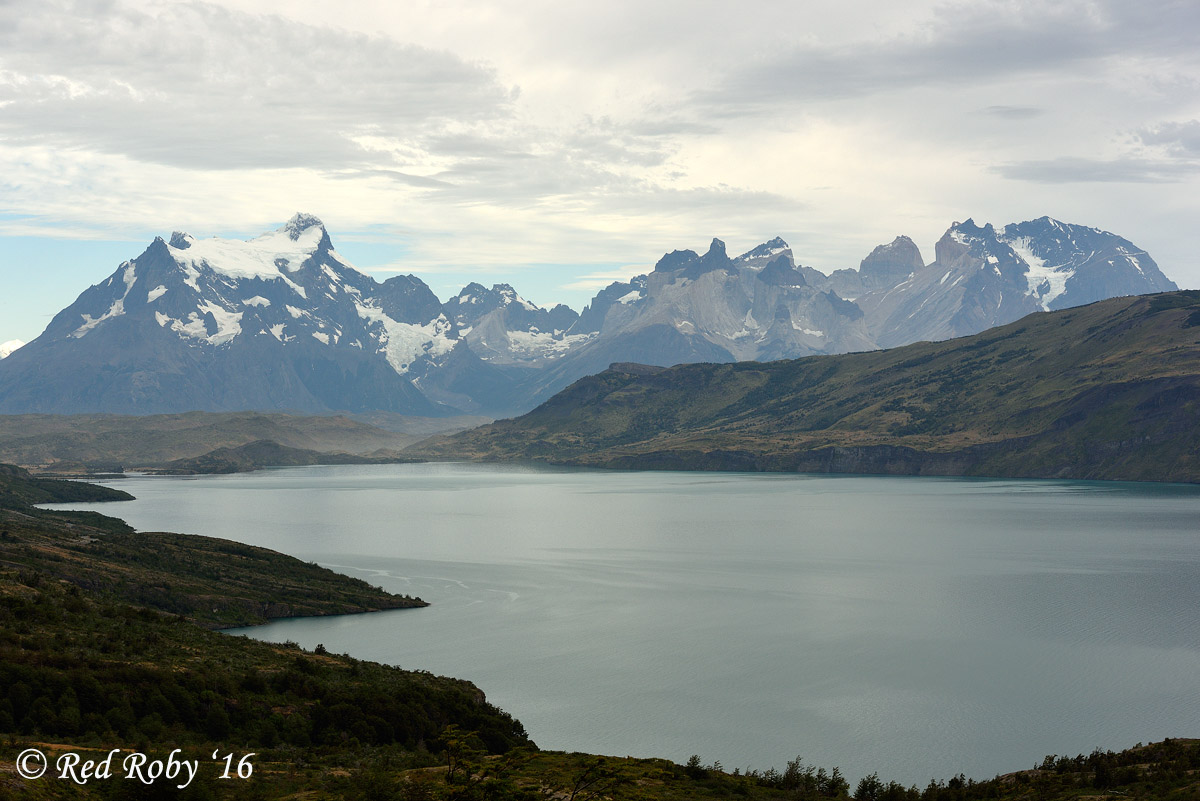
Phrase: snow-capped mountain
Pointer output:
(8, 347)
(712, 308)
(984, 276)
(504, 328)
(277, 322)
(761, 305)
(1070, 265)
(284, 322)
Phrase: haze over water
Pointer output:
(915, 627)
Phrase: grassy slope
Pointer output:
(86, 671)
(1106, 391)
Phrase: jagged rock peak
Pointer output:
(901, 241)
(969, 227)
(1047, 220)
(299, 223)
(181, 240)
(674, 260)
(964, 234)
(889, 264)
(716, 248)
(766, 250)
(900, 249)
(780, 272)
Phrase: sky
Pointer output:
(561, 146)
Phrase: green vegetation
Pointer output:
(217, 583)
(110, 675)
(68, 669)
(20, 490)
(1106, 391)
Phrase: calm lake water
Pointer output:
(917, 627)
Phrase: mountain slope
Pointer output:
(1107, 391)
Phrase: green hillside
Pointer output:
(1106, 391)
(82, 670)
(214, 582)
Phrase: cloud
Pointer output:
(1167, 152)
(964, 43)
(194, 85)
(407, 179)
(1179, 138)
(638, 127)
(199, 88)
(594, 282)
(406, 267)
(1083, 170)
(1013, 112)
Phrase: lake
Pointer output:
(911, 626)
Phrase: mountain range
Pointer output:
(284, 322)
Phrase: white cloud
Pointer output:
(973, 43)
(1082, 170)
(594, 282)
(498, 134)
(198, 86)
(1180, 139)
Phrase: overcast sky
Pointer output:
(560, 146)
